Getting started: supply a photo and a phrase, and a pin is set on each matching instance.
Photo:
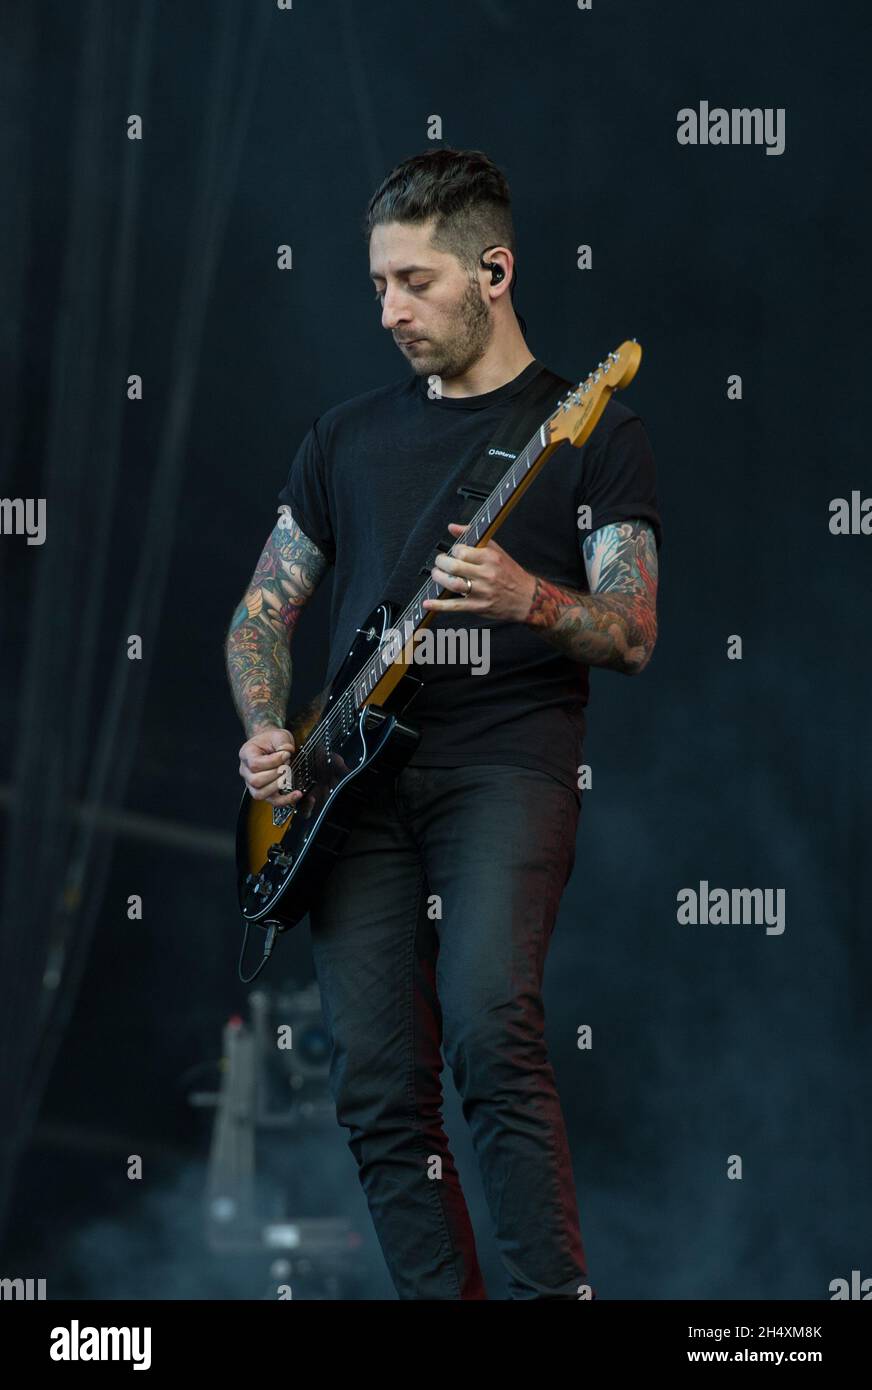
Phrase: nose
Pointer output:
(395, 309)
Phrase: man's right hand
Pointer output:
(262, 762)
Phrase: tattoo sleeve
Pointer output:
(257, 649)
(615, 625)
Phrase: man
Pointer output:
(433, 927)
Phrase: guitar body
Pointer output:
(284, 853)
(356, 736)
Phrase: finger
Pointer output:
(454, 605)
(270, 739)
(283, 784)
(459, 569)
(261, 747)
(260, 779)
(457, 583)
(262, 762)
(460, 555)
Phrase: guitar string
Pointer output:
(346, 708)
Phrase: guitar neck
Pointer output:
(581, 410)
(378, 677)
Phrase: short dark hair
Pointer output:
(462, 189)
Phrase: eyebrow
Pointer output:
(403, 270)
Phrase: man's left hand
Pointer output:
(501, 589)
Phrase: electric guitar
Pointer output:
(356, 732)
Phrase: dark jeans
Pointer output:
(397, 979)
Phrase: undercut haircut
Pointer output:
(463, 190)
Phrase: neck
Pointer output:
(505, 358)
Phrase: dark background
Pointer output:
(158, 257)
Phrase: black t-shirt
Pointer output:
(361, 478)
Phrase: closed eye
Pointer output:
(413, 288)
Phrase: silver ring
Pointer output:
(468, 588)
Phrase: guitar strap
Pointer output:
(460, 501)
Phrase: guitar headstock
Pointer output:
(579, 410)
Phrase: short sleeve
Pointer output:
(306, 493)
(619, 480)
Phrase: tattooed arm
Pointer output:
(257, 649)
(615, 625)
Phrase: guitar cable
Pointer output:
(272, 932)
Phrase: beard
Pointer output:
(455, 354)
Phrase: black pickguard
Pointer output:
(338, 774)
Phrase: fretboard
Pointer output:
(489, 513)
